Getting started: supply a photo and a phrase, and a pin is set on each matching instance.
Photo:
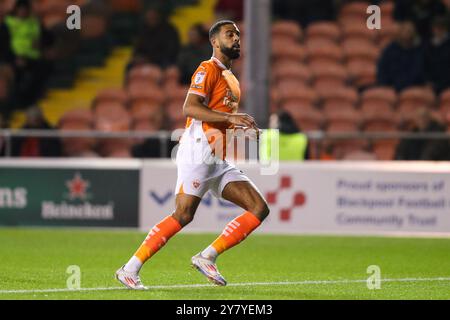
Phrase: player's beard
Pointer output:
(230, 52)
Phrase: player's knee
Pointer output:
(261, 210)
(183, 215)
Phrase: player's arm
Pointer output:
(194, 108)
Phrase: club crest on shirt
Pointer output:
(196, 184)
(199, 77)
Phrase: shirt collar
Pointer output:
(220, 64)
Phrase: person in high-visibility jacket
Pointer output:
(292, 144)
(31, 45)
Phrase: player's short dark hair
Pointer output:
(216, 27)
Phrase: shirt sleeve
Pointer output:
(201, 82)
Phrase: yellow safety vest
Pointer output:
(25, 34)
(291, 146)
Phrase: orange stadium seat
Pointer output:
(83, 116)
(111, 116)
(288, 51)
(146, 125)
(341, 147)
(360, 50)
(379, 124)
(286, 29)
(93, 26)
(382, 96)
(301, 96)
(358, 31)
(444, 105)
(353, 11)
(387, 8)
(324, 53)
(144, 110)
(120, 152)
(346, 115)
(6, 6)
(328, 77)
(342, 126)
(145, 91)
(301, 111)
(52, 12)
(112, 94)
(288, 85)
(175, 111)
(177, 94)
(444, 97)
(171, 73)
(76, 147)
(310, 122)
(340, 98)
(371, 111)
(307, 117)
(385, 149)
(359, 155)
(326, 30)
(410, 99)
(147, 72)
(282, 71)
(362, 73)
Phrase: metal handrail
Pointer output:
(164, 135)
(313, 135)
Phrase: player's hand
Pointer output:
(242, 119)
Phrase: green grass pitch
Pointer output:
(34, 264)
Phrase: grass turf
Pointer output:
(34, 259)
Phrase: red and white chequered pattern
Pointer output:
(298, 199)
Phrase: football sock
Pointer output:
(156, 238)
(235, 231)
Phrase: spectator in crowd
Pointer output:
(437, 61)
(195, 51)
(401, 63)
(158, 41)
(6, 85)
(31, 44)
(424, 149)
(293, 145)
(6, 54)
(420, 12)
(34, 146)
(2, 138)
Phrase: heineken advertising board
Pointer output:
(69, 197)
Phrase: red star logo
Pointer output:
(77, 187)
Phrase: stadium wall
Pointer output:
(374, 198)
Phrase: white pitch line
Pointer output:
(243, 284)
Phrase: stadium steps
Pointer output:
(87, 84)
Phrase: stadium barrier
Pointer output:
(6, 136)
(304, 198)
(321, 198)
